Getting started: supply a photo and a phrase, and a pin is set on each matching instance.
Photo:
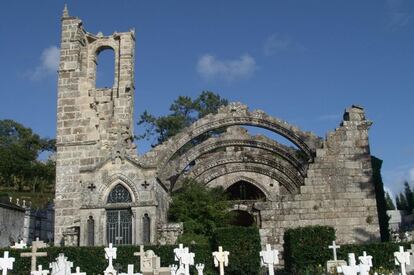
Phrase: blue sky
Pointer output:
(302, 61)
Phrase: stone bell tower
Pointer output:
(92, 122)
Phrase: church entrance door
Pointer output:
(119, 226)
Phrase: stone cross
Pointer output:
(91, 186)
(62, 266)
(402, 259)
(334, 247)
(78, 272)
(145, 184)
(110, 254)
(221, 259)
(351, 268)
(130, 271)
(200, 268)
(269, 258)
(40, 271)
(20, 245)
(6, 263)
(365, 259)
(34, 254)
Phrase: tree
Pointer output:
(409, 197)
(201, 209)
(183, 112)
(401, 202)
(19, 152)
(389, 202)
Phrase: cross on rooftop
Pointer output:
(334, 247)
(6, 263)
(34, 254)
(91, 186)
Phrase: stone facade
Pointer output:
(102, 185)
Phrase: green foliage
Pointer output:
(184, 111)
(389, 203)
(307, 247)
(92, 259)
(243, 243)
(380, 198)
(201, 209)
(19, 149)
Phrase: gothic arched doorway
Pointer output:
(119, 216)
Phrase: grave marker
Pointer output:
(78, 272)
(62, 266)
(269, 258)
(34, 254)
(110, 254)
(40, 271)
(402, 258)
(6, 263)
(221, 259)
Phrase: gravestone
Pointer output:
(352, 268)
(185, 259)
(332, 265)
(77, 272)
(200, 269)
(402, 259)
(269, 258)
(62, 266)
(173, 269)
(365, 259)
(410, 266)
(6, 263)
(221, 259)
(150, 263)
(34, 254)
(40, 271)
(110, 255)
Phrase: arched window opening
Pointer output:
(91, 231)
(243, 190)
(105, 68)
(146, 224)
(119, 194)
(242, 218)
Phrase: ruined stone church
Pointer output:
(107, 193)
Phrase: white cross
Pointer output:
(61, 266)
(6, 263)
(365, 259)
(200, 268)
(334, 247)
(184, 257)
(130, 271)
(40, 271)
(34, 254)
(78, 272)
(221, 259)
(351, 268)
(110, 254)
(402, 259)
(269, 258)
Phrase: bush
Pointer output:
(307, 247)
(243, 243)
(92, 259)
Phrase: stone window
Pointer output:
(146, 224)
(91, 231)
(119, 195)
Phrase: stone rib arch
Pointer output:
(222, 170)
(222, 159)
(111, 182)
(177, 166)
(238, 114)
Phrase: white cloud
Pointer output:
(394, 178)
(276, 43)
(209, 67)
(397, 15)
(49, 63)
(411, 175)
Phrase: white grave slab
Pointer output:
(62, 266)
(221, 259)
(6, 263)
(20, 245)
(402, 259)
(269, 258)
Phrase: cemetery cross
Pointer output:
(34, 254)
(6, 263)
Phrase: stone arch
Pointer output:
(177, 166)
(114, 180)
(291, 187)
(250, 181)
(243, 218)
(238, 114)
